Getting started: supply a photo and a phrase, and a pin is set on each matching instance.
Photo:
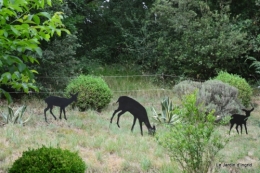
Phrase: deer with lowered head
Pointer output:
(239, 120)
(60, 102)
(127, 104)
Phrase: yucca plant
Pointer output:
(168, 114)
(15, 117)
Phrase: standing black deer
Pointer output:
(239, 120)
(60, 102)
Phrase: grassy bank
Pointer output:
(106, 148)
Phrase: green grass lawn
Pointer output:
(106, 148)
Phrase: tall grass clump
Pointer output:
(245, 90)
(94, 93)
(194, 142)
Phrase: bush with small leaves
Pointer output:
(52, 160)
(94, 93)
(245, 90)
(194, 142)
(186, 87)
(213, 94)
(220, 97)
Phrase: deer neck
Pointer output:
(69, 101)
(148, 125)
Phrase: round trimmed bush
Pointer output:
(244, 89)
(52, 160)
(94, 93)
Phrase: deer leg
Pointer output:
(118, 116)
(231, 126)
(241, 128)
(51, 112)
(114, 115)
(133, 124)
(60, 112)
(64, 114)
(237, 128)
(141, 127)
(45, 112)
(245, 128)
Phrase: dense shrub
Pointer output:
(186, 87)
(220, 97)
(213, 94)
(52, 160)
(94, 93)
(245, 91)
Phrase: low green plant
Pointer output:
(245, 90)
(52, 160)
(16, 117)
(195, 142)
(168, 114)
(94, 93)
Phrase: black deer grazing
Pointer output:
(136, 109)
(239, 120)
(60, 102)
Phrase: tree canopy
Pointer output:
(21, 31)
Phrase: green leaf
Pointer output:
(16, 75)
(5, 77)
(32, 59)
(34, 71)
(38, 51)
(65, 30)
(6, 34)
(58, 31)
(25, 87)
(45, 14)
(47, 37)
(21, 67)
(7, 95)
(36, 19)
(49, 2)
(16, 32)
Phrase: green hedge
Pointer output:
(94, 93)
(244, 89)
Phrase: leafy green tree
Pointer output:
(189, 39)
(111, 31)
(21, 32)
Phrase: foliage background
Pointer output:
(194, 39)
